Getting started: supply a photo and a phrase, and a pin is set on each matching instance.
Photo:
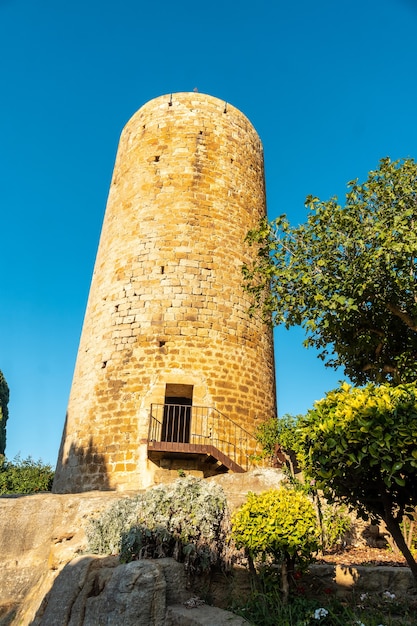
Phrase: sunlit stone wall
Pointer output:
(166, 305)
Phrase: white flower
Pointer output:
(360, 623)
(363, 596)
(319, 613)
(388, 595)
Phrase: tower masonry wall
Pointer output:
(166, 304)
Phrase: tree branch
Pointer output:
(404, 317)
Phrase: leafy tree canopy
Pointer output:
(348, 275)
(25, 476)
(359, 444)
(4, 413)
(277, 431)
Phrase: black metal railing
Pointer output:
(200, 425)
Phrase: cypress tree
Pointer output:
(4, 412)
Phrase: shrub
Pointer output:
(275, 431)
(359, 445)
(281, 524)
(337, 523)
(184, 520)
(25, 476)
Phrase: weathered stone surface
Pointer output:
(66, 588)
(343, 580)
(97, 591)
(93, 590)
(39, 534)
(237, 486)
(166, 304)
(134, 595)
(43, 538)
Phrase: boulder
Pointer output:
(98, 591)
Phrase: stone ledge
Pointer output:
(346, 579)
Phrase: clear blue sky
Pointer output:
(330, 86)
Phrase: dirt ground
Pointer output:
(364, 555)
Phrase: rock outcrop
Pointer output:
(94, 591)
(43, 541)
(47, 579)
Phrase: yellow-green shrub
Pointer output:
(279, 522)
(360, 447)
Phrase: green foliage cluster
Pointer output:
(275, 431)
(336, 526)
(363, 440)
(280, 528)
(184, 520)
(348, 275)
(4, 412)
(265, 607)
(278, 522)
(359, 444)
(335, 521)
(22, 476)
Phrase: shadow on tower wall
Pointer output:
(82, 469)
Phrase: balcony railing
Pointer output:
(179, 427)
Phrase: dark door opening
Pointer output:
(176, 423)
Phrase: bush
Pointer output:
(337, 524)
(359, 445)
(275, 431)
(25, 476)
(184, 520)
(277, 522)
(280, 524)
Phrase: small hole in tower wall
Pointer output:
(162, 343)
(156, 159)
(103, 365)
(162, 269)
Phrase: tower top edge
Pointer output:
(194, 100)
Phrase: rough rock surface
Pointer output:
(40, 534)
(46, 579)
(91, 591)
(343, 580)
(237, 486)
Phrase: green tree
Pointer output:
(25, 476)
(278, 436)
(359, 445)
(275, 431)
(280, 523)
(348, 275)
(4, 413)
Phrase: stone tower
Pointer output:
(172, 374)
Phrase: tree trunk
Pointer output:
(284, 581)
(394, 528)
(252, 572)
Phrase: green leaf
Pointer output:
(348, 274)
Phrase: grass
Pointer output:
(265, 607)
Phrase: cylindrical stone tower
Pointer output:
(170, 367)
